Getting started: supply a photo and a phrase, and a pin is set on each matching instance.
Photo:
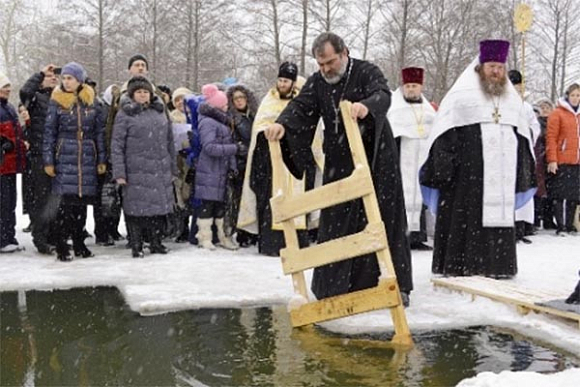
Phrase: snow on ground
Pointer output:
(190, 278)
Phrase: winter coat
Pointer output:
(143, 153)
(242, 121)
(36, 99)
(74, 141)
(562, 145)
(14, 161)
(217, 155)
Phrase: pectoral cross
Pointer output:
(336, 120)
(496, 116)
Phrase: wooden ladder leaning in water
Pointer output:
(372, 239)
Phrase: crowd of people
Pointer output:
(197, 168)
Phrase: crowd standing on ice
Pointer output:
(485, 167)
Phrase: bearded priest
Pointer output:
(479, 170)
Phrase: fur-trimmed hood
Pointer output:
(209, 111)
(67, 100)
(252, 102)
(132, 108)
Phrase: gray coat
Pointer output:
(143, 153)
(217, 155)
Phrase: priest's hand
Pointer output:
(274, 132)
(358, 110)
(121, 181)
(553, 167)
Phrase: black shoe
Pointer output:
(82, 251)
(525, 240)
(421, 246)
(64, 257)
(45, 249)
(158, 249)
(117, 237)
(137, 253)
(109, 241)
(182, 239)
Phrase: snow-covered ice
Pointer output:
(190, 278)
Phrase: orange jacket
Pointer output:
(563, 134)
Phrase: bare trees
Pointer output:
(191, 42)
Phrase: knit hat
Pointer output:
(75, 70)
(180, 92)
(138, 83)
(4, 81)
(515, 77)
(288, 70)
(412, 75)
(137, 57)
(214, 97)
(493, 51)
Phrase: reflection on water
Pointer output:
(89, 337)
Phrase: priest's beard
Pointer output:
(493, 87)
(334, 79)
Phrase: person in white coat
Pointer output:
(411, 117)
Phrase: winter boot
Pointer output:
(225, 241)
(62, 252)
(204, 233)
(155, 245)
(81, 250)
(136, 241)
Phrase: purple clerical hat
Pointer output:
(493, 51)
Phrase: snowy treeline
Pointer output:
(192, 42)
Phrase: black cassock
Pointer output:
(463, 247)
(365, 84)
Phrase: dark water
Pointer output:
(89, 337)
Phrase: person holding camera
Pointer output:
(12, 161)
(35, 96)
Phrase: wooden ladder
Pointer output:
(373, 239)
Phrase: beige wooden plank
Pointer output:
(384, 295)
(290, 234)
(352, 187)
(372, 210)
(370, 240)
(503, 288)
(494, 293)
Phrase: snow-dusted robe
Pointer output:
(476, 175)
(255, 213)
(411, 123)
(319, 99)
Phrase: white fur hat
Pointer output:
(4, 81)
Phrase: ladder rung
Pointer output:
(370, 240)
(357, 185)
(384, 295)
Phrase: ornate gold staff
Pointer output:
(523, 17)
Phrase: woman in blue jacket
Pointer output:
(73, 152)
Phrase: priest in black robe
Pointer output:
(344, 78)
(479, 170)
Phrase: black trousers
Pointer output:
(139, 226)
(7, 209)
(211, 209)
(70, 221)
(564, 211)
